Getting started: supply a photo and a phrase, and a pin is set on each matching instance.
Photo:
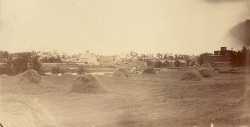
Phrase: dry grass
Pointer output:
(148, 101)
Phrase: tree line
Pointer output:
(241, 58)
(19, 62)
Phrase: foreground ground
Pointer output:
(161, 100)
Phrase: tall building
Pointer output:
(222, 57)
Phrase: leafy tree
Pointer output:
(20, 62)
(35, 63)
(177, 63)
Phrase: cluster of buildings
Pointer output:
(128, 60)
(222, 57)
(86, 58)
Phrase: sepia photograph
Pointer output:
(124, 63)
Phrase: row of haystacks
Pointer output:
(195, 74)
(205, 71)
(124, 73)
(32, 80)
(86, 83)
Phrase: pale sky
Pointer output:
(115, 26)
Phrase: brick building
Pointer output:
(222, 57)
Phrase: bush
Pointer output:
(149, 71)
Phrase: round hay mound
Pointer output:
(206, 72)
(31, 76)
(207, 65)
(121, 73)
(149, 71)
(191, 76)
(87, 84)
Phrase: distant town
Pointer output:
(14, 63)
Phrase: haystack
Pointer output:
(149, 71)
(31, 76)
(87, 84)
(191, 76)
(206, 72)
(208, 66)
(122, 73)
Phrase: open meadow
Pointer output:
(139, 100)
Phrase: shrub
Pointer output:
(149, 71)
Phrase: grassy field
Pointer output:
(157, 100)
